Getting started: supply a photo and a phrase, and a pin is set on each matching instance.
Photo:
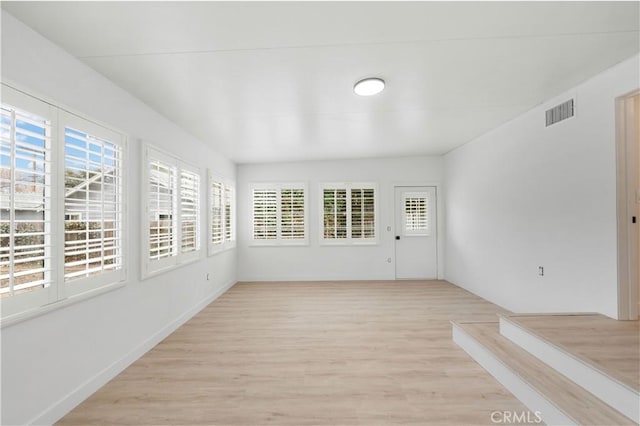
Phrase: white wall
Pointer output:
(52, 362)
(316, 262)
(524, 195)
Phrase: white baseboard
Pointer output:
(328, 278)
(616, 394)
(528, 395)
(64, 405)
(314, 278)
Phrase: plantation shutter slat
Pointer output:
(25, 210)
(92, 205)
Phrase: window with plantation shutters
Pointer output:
(92, 205)
(25, 215)
(61, 210)
(416, 213)
(172, 204)
(349, 213)
(221, 214)
(189, 211)
(279, 213)
(162, 209)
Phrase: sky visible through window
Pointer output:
(29, 135)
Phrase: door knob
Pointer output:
(397, 237)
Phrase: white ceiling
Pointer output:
(273, 81)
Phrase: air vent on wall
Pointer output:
(560, 112)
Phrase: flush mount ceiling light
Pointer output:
(369, 86)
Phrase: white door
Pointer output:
(416, 232)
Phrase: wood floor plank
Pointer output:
(311, 353)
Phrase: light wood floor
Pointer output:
(331, 353)
(613, 346)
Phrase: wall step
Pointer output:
(580, 369)
(558, 400)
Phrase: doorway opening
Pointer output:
(628, 200)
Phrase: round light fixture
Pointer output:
(369, 86)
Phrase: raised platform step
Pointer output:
(598, 353)
(558, 400)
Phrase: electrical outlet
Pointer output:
(541, 271)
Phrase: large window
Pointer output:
(56, 241)
(349, 213)
(279, 214)
(221, 214)
(172, 202)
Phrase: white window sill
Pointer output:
(279, 243)
(150, 274)
(220, 248)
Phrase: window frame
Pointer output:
(58, 293)
(349, 240)
(225, 243)
(278, 187)
(177, 258)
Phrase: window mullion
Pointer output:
(222, 214)
(176, 211)
(158, 204)
(335, 213)
(349, 221)
(179, 213)
(86, 211)
(57, 237)
(102, 207)
(278, 192)
(12, 212)
(50, 175)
